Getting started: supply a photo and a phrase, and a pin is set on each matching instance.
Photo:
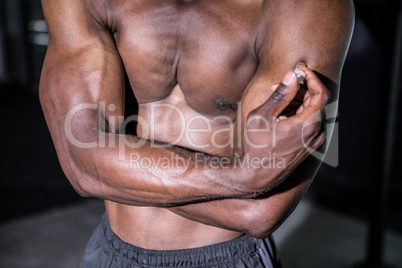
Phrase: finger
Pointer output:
(307, 96)
(274, 87)
(297, 102)
(314, 83)
(306, 101)
(282, 96)
(300, 109)
(319, 94)
(319, 141)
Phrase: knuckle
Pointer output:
(278, 95)
(312, 130)
(322, 139)
(327, 96)
(317, 143)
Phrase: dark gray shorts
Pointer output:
(105, 249)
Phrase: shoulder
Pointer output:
(75, 22)
(75, 10)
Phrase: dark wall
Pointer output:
(363, 111)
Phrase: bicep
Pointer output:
(81, 66)
(82, 70)
(316, 32)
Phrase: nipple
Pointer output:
(299, 73)
(224, 104)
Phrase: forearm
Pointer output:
(257, 217)
(139, 172)
(244, 216)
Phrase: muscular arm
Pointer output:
(82, 72)
(318, 34)
(257, 217)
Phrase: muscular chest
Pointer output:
(206, 47)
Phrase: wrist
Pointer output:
(244, 177)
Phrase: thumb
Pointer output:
(282, 96)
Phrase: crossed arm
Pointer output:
(319, 35)
(82, 66)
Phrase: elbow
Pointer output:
(259, 229)
(82, 189)
(261, 218)
(80, 184)
(257, 224)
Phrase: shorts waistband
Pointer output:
(209, 255)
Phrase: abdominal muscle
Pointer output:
(159, 228)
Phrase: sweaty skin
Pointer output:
(192, 65)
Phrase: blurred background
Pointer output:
(350, 217)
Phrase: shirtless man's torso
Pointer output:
(198, 57)
(197, 68)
